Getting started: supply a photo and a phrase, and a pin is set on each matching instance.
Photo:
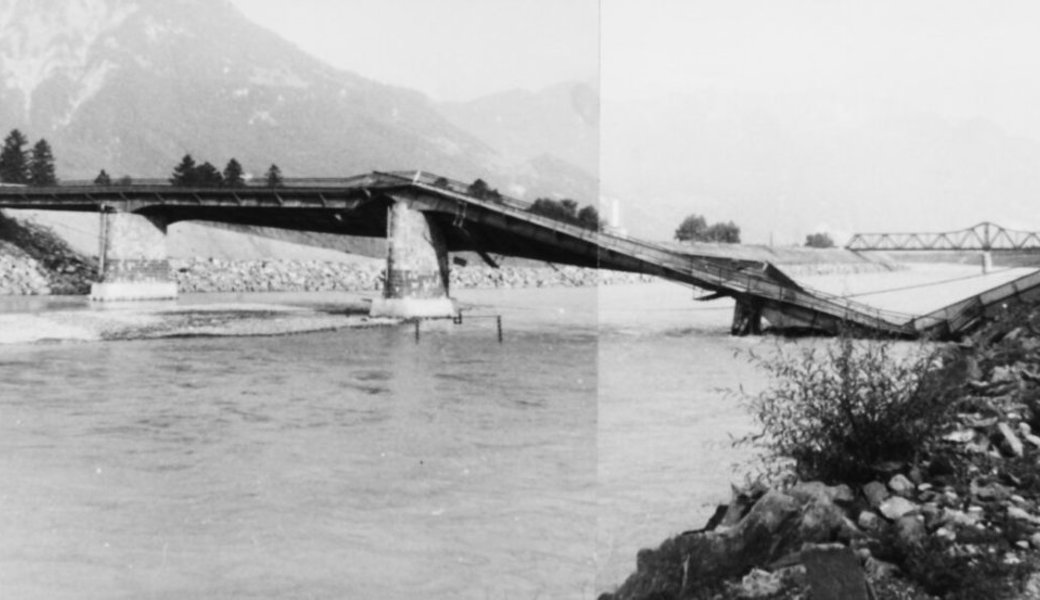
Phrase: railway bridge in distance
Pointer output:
(424, 217)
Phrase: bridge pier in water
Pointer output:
(747, 317)
(416, 283)
(133, 259)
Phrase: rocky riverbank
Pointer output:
(960, 518)
(21, 274)
(216, 275)
(34, 261)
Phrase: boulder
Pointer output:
(875, 493)
(910, 530)
(776, 526)
(818, 491)
(900, 485)
(895, 507)
(1011, 441)
(835, 574)
(868, 520)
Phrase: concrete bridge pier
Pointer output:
(133, 260)
(747, 317)
(416, 284)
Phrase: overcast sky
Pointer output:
(950, 57)
(449, 49)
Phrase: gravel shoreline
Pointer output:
(174, 320)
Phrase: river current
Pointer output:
(362, 463)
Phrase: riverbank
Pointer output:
(958, 517)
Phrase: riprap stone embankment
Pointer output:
(216, 275)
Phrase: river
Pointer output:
(362, 463)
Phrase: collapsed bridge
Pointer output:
(424, 217)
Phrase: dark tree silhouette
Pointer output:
(206, 175)
(185, 174)
(125, 181)
(692, 229)
(102, 178)
(726, 233)
(588, 217)
(819, 240)
(273, 177)
(233, 174)
(41, 165)
(478, 189)
(566, 210)
(695, 229)
(14, 162)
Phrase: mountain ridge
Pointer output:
(131, 86)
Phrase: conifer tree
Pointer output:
(233, 174)
(41, 165)
(14, 164)
(102, 178)
(206, 175)
(185, 174)
(273, 177)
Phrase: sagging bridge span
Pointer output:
(425, 216)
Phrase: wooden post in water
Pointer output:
(102, 239)
(417, 331)
(499, 320)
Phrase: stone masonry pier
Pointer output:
(416, 283)
(134, 263)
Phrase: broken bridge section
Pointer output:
(425, 217)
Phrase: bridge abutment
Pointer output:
(134, 263)
(416, 283)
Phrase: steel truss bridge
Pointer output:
(984, 237)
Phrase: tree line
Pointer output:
(24, 166)
(189, 174)
(695, 228)
(565, 210)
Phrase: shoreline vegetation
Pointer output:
(887, 472)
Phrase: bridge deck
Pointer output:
(357, 206)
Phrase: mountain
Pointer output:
(783, 166)
(558, 123)
(130, 86)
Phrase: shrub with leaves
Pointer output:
(834, 412)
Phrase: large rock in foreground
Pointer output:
(774, 531)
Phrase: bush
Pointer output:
(834, 412)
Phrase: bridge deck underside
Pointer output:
(359, 207)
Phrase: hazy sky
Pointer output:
(449, 49)
(949, 57)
